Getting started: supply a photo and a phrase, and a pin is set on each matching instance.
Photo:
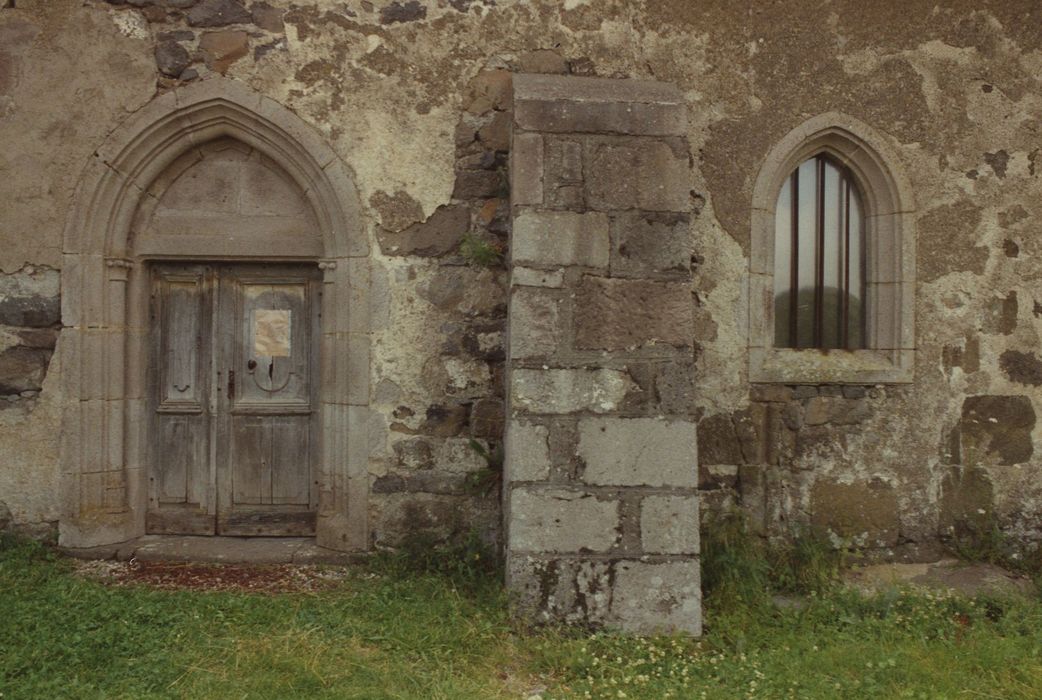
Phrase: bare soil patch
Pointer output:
(255, 578)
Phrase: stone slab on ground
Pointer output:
(217, 550)
(961, 577)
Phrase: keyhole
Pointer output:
(271, 369)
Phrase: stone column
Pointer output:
(600, 487)
(344, 404)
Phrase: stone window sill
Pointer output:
(789, 366)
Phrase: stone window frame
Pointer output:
(889, 357)
(103, 346)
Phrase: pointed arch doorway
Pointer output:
(215, 283)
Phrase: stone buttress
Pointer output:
(600, 495)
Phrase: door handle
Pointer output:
(231, 384)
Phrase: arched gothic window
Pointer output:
(832, 259)
(819, 258)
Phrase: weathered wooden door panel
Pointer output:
(260, 360)
(264, 455)
(181, 498)
(291, 438)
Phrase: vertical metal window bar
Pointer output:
(844, 329)
(794, 267)
(819, 251)
(863, 277)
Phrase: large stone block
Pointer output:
(30, 298)
(526, 169)
(600, 118)
(655, 598)
(637, 174)
(650, 244)
(22, 369)
(535, 326)
(218, 13)
(559, 520)
(583, 89)
(831, 409)
(560, 238)
(613, 314)
(669, 524)
(396, 518)
(560, 589)
(997, 430)
(639, 452)
(598, 105)
(563, 175)
(441, 233)
(674, 384)
(718, 441)
(867, 512)
(222, 49)
(527, 277)
(967, 502)
(527, 452)
(568, 390)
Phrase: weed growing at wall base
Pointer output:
(739, 566)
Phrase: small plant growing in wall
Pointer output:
(480, 251)
(489, 478)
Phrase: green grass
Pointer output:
(380, 634)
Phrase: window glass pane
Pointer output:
(829, 250)
(856, 322)
(807, 254)
(832, 294)
(782, 263)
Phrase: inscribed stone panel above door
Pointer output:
(230, 199)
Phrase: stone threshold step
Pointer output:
(218, 550)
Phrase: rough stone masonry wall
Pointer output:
(954, 86)
(601, 469)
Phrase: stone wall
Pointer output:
(600, 484)
(409, 95)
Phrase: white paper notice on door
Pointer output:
(271, 332)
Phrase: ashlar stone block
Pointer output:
(614, 314)
(526, 169)
(650, 598)
(556, 391)
(527, 452)
(639, 452)
(535, 325)
(561, 589)
(636, 174)
(560, 238)
(650, 244)
(566, 104)
(560, 520)
(669, 524)
(527, 277)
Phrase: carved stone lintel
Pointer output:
(327, 264)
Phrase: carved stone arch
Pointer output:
(105, 308)
(890, 259)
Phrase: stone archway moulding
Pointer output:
(890, 229)
(105, 310)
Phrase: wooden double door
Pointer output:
(233, 407)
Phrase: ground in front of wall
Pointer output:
(164, 629)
